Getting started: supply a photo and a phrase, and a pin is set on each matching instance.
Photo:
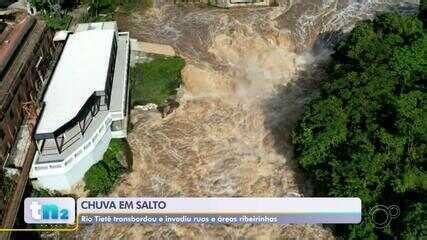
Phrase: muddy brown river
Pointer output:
(248, 74)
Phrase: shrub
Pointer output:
(155, 81)
(2, 26)
(97, 7)
(7, 187)
(41, 192)
(57, 21)
(100, 178)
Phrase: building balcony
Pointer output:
(75, 146)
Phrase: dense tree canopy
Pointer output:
(366, 134)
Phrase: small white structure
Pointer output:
(61, 35)
(241, 3)
(85, 105)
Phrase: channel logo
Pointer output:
(49, 210)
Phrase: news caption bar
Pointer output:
(209, 210)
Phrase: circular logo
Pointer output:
(381, 215)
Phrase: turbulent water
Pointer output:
(248, 74)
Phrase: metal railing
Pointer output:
(85, 147)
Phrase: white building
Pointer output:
(85, 105)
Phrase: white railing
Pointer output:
(78, 154)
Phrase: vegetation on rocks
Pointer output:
(366, 134)
(41, 192)
(54, 13)
(57, 21)
(2, 26)
(155, 81)
(104, 10)
(101, 177)
(7, 187)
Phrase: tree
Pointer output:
(366, 134)
(416, 214)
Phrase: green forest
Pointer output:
(365, 135)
